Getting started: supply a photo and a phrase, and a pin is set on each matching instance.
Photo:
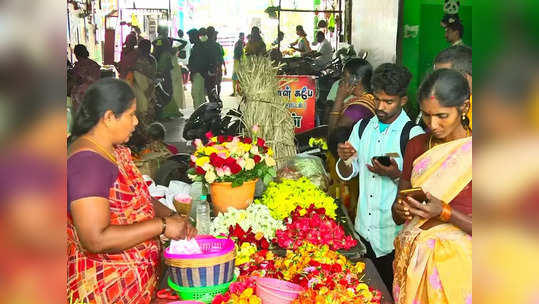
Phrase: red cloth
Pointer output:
(419, 145)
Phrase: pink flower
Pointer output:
(198, 143)
(255, 129)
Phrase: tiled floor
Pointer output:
(175, 127)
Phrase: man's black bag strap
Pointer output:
(405, 133)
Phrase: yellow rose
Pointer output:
(270, 161)
(210, 176)
(270, 152)
(201, 161)
(246, 147)
(249, 164)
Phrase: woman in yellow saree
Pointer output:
(433, 252)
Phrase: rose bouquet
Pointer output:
(313, 226)
(284, 197)
(231, 159)
(256, 217)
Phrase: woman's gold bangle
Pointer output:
(334, 113)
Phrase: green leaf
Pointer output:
(267, 179)
(237, 182)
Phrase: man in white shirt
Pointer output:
(387, 132)
(324, 51)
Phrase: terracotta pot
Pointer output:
(223, 195)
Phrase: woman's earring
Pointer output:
(465, 120)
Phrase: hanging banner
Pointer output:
(299, 92)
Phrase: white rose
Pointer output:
(250, 164)
(270, 161)
(210, 177)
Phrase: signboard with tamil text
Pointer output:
(299, 92)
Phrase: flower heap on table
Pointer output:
(252, 229)
(242, 292)
(231, 159)
(284, 197)
(327, 276)
(314, 226)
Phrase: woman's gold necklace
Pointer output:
(100, 148)
(468, 133)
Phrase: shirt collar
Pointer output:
(395, 125)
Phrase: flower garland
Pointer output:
(313, 226)
(283, 198)
(256, 217)
(362, 294)
(318, 142)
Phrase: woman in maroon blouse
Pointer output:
(433, 252)
(113, 223)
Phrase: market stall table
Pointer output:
(372, 278)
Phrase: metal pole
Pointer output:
(279, 25)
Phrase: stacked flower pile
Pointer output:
(327, 276)
(313, 226)
(231, 159)
(256, 219)
(240, 292)
(262, 264)
(284, 197)
(362, 294)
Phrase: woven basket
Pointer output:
(214, 266)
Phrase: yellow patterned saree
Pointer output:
(435, 265)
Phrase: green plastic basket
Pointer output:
(203, 294)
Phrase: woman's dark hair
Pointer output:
(81, 51)
(391, 78)
(448, 86)
(144, 46)
(301, 30)
(156, 131)
(360, 69)
(104, 95)
(255, 34)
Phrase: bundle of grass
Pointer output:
(263, 106)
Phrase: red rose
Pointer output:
(221, 139)
(235, 168)
(216, 161)
(191, 164)
(247, 140)
(260, 142)
(229, 162)
(229, 138)
(264, 243)
(336, 268)
(257, 159)
(200, 171)
(209, 135)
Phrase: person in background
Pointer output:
(453, 33)
(112, 233)
(156, 133)
(255, 45)
(458, 58)
(280, 37)
(218, 53)
(201, 62)
(238, 54)
(84, 73)
(301, 45)
(433, 253)
(324, 53)
(169, 69)
(354, 102)
(386, 132)
(144, 77)
(183, 56)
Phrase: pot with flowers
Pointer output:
(231, 166)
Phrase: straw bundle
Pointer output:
(263, 106)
